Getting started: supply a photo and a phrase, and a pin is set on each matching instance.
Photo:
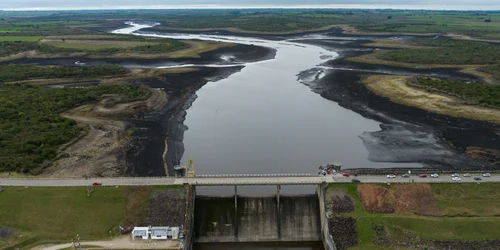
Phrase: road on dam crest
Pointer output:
(229, 181)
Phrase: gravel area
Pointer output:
(343, 231)
(167, 207)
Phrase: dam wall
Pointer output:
(257, 219)
(189, 223)
(326, 237)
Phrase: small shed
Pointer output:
(175, 232)
(140, 233)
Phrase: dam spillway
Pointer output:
(257, 219)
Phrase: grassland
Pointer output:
(56, 214)
(467, 199)
(20, 38)
(465, 23)
(31, 129)
(457, 203)
(446, 51)
(52, 214)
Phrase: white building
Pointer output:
(140, 233)
(155, 233)
(160, 233)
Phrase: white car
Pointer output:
(456, 179)
(467, 175)
(487, 175)
(434, 175)
(455, 175)
(390, 176)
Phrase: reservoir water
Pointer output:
(265, 120)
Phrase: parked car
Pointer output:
(423, 176)
(346, 174)
(467, 175)
(487, 175)
(391, 176)
(355, 181)
(434, 175)
(96, 183)
(456, 179)
(455, 175)
(405, 175)
(477, 178)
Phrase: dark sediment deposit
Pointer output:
(156, 131)
(233, 55)
(408, 134)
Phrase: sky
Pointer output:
(175, 4)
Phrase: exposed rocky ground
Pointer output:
(344, 232)
(167, 207)
(342, 228)
(5, 233)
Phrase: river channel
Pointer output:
(264, 120)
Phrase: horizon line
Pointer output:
(215, 7)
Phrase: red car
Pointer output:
(423, 176)
(97, 183)
(346, 174)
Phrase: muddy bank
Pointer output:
(408, 134)
(158, 138)
(99, 150)
(233, 55)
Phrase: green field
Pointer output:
(447, 51)
(467, 199)
(20, 38)
(53, 214)
(60, 214)
(457, 202)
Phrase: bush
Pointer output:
(487, 95)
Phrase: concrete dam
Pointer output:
(257, 219)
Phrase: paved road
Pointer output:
(221, 181)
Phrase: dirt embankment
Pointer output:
(401, 199)
(100, 151)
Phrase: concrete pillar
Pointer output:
(235, 224)
(278, 188)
